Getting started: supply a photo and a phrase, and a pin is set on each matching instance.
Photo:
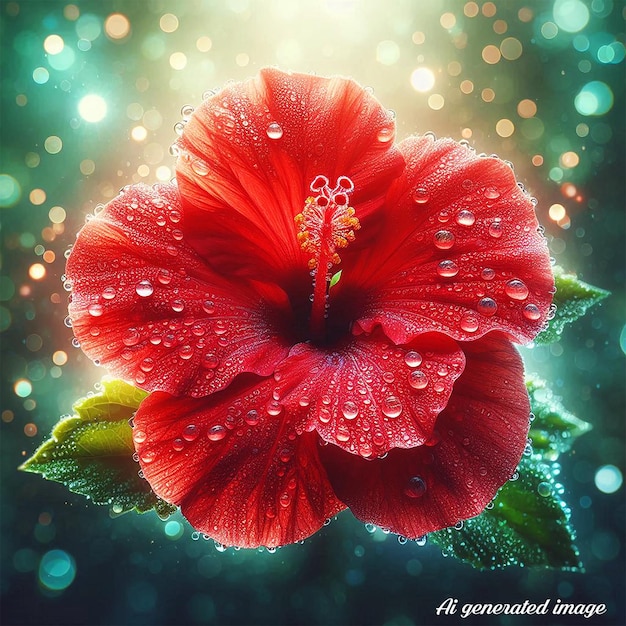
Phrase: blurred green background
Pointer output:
(90, 95)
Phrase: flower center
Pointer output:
(326, 224)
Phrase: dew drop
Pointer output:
(274, 408)
(210, 360)
(491, 193)
(443, 239)
(131, 338)
(191, 432)
(324, 416)
(413, 359)
(388, 377)
(95, 310)
(349, 410)
(285, 500)
(148, 456)
(469, 323)
(274, 130)
(304, 401)
(488, 274)
(392, 407)
(200, 167)
(487, 306)
(447, 268)
(343, 434)
(177, 305)
(144, 288)
(516, 289)
(185, 352)
(252, 417)
(178, 444)
(495, 228)
(415, 487)
(418, 380)
(147, 365)
(217, 432)
(465, 218)
(544, 489)
(385, 134)
(421, 195)
(164, 276)
(108, 293)
(532, 312)
(139, 436)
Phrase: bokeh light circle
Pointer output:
(57, 570)
(570, 15)
(92, 108)
(608, 479)
(595, 98)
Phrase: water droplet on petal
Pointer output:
(164, 276)
(139, 436)
(388, 377)
(95, 310)
(516, 289)
(392, 407)
(465, 218)
(191, 432)
(147, 365)
(386, 133)
(415, 487)
(178, 444)
(413, 359)
(131, 338)
(148, 456)
(488, 274)
(469, 323)
(185, 352)
(252, 417)
(491, 193)
(210, 360)
(487, 306)
(144, 288)
(177, 305)
(108, 293)
(200, 167)
(443, 239)
(421, 195)
(274, 408)
(217, 432)
(274, 131)
(349, 410)
(532, 312)
(447, 268)
(418, 380)
(495, 228)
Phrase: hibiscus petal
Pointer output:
(459, 253)
(239, 473)
(482, 434)
(146, 306)
(250, 152)
(370, 396)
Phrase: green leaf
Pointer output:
(91, 452)
(554, 429)
(528, 526)
(572, 299)
(335, 279)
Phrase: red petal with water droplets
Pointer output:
(482, 434)
(250, 152)
(146, 306)
(370, 396)
(459, 252)
(239, 474)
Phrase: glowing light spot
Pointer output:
(608, 479)
(418, 38)
(422, 79)
(505, 128)
(549, 30)
(53, 144)
(37, 271)
(117, 26)
(139, 133)
(491, 54)
(569, 159)
(511, 48)
(488, 94)
(595, 98)
(41, 75)
(436, 102)
(204, 44)
(49, 256)
(23, 388)
(57, 570)
(71, 12)
(526, 108)
(537, 160)
(557, 212)
(88, 27)
(53, 44)
(37, 196)
(387, 52)
(87, 167)
(30, 429)
(489, 9)
(447, 21)
(163, 173)
(63, 60)
(242, 59)
(178, 60)
(470, 9)
(570, 15)
(168, 23)
(466, 86)
(57, 214)
(59, 357)
(525, 14)
(92, 108)
(500, 27)
(10, 190)
(173, 530)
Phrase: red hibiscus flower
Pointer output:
(325, 319)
